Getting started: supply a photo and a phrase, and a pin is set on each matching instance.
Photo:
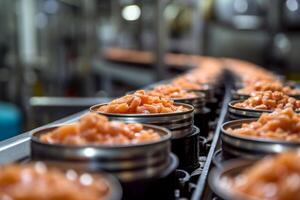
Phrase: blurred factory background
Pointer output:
(60, 56)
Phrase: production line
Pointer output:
(162, 142)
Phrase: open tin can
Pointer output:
(250, 147)
(148, 167)
(127, 162)
(197, 102)
(228, 169)
(179, 123)
(201, 113)
(208, 90)
(241, 113)
(211, 101)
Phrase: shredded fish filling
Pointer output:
(172, 92)
(96, 129)
(38, 182)
(269, 101)
(267, 86)
(273, 178)
(141, 103)
(278, 125)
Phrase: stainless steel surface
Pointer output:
(179, 123)
(127, 162)
(238, 96)
(45, 109)
(236, 113)
(247, 147)
(240, 113)
(66, 101)
(229, 169)
(160, 38)
(187, 150)
(198, 102)
(208, 91)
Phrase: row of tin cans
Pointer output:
(237, 153)
(248, 147)
(146, 171)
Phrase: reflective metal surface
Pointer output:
(187, 150)
(238, 113)
(238, 96)
(179, 123)
(208, 90)
(241, 113)
(197, 102)
(229, 169)
(247, 147)
(127, 162)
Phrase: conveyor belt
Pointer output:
(18, 148)
(202, 182)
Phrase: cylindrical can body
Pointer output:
(187, 150)
(179, 123)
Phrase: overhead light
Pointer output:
(292, 5)
(131, 12)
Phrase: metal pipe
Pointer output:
(161, 39)
(27, 33)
